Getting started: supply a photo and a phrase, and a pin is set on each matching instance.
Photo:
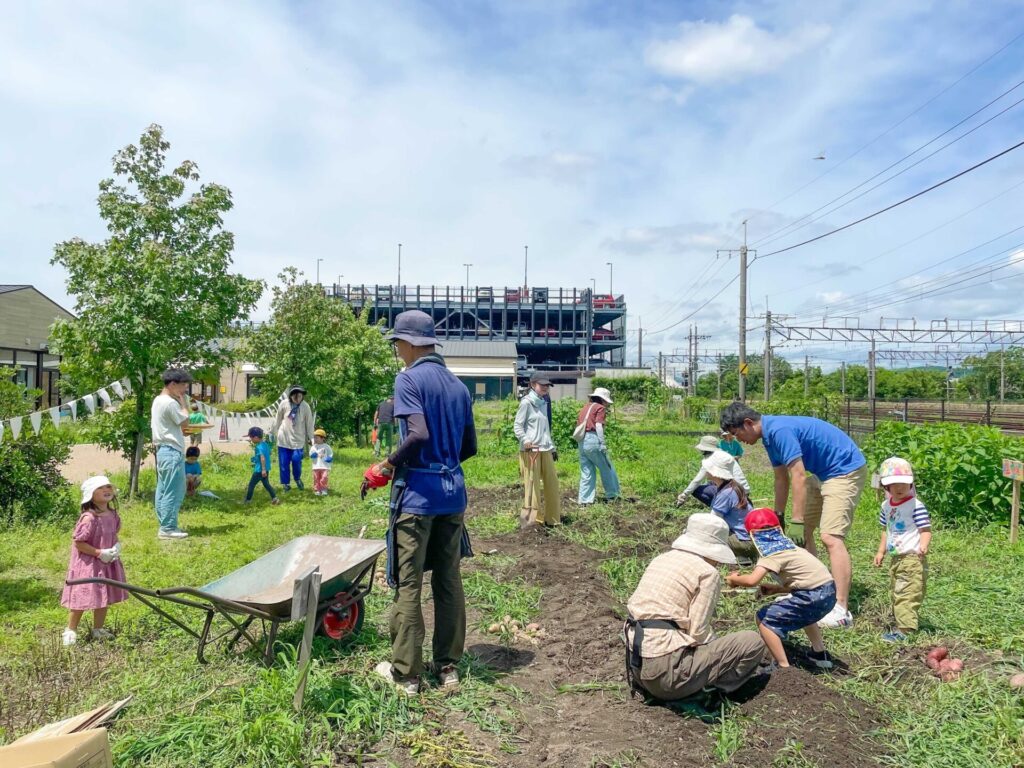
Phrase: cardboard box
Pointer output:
(87, 749)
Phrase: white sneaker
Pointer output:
(449, 677)
(101, 634)
(69, 638)
(177, 533)
(838, 618)
(408, 687)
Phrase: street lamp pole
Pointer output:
(467, 266)
(399, 266)
(318, 271)
(526, 262)
(611, 288)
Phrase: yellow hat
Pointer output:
(319, 433)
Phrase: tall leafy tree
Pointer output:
(317, 341)
(157, 291)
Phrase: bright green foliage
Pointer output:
(31, 487)
(957, 469)
(981, 382)
(707, 384)
(157, 291)
(634, 389)
(345, 364)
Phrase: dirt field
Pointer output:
(90, 459)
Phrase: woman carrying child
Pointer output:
(809, 588)
(95, 553)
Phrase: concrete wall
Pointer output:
(25, 319)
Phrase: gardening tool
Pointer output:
(274, 589)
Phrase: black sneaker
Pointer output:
(820, 659)
(299, 485)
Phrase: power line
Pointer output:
(807, 220)
(897, 124)
(678, 305)
(914, 196)
(714, 296)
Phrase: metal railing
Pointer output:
(433, 294)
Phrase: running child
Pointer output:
(95, 553)
(322, 457)
(809, 588)
(906, 536)
(260, 466)
(193, 470)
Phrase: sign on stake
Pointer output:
(1015, 471)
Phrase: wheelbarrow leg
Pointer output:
(204, 637)
(268, 654)
(240, 631)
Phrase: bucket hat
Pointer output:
(604, 394)
(91, 485)
(719, 464)
(706, 535)
(415, 327)
(707, 443)
(896, 470)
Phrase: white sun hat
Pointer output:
(604, 394)
(719, 464)
(707, 443)
(91, 485)
(706, 535)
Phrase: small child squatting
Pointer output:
(906, 536)
(809, 588)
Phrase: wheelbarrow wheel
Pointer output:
(341, 624)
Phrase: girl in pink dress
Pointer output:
(95, 553)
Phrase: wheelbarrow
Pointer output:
(274, 589)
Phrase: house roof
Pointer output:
(9, 288)
(12, 288)
(503, 349)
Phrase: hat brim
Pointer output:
(605, 399)
(908, 479)
(721, 474)
(713, 550)
(416, 341)
(546, 382)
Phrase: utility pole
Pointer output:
(842, 378)
(767, 355)
(660, 377)
(694, 365)
(807, 375)
(526, 262)
(399, 267)
(743, 316)
(1002, 372)
(871, 371)
(640, 343)
(719, 369)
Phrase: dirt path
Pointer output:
(602, 726)
(90, 459)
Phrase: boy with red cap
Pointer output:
(809, 589)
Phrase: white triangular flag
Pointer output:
(90, 403)
(118, 389)
(127, 384)
(73, 405)
(1, 431)
(15, 427)
(55, 415)
(36, 420)
(104, 396)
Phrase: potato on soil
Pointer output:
(935, 657)
(1017, 681)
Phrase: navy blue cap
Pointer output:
(255, 432)
(415, 327)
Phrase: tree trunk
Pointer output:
(136, 462)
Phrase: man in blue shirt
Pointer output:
(436, 434)
(826, 471)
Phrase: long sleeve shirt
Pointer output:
(681, 587)
(701, 476)
(531, 424)
(293, 434)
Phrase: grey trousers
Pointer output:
(725, 663)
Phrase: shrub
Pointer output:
(634, 389)
(957, 469)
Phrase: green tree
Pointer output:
(981, 381)
(157, 291)
(707, 383)
(345, 364)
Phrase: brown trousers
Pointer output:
(538, 468)
(725, 663)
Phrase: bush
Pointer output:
(252, 405)
(957, 469)
(31, 486)
(634, 389)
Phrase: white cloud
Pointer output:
(667, 239)
(561, 167)
(711, 52)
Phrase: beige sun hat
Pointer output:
(707, 443)
(604, 394)
(719, 464)
(706, 535)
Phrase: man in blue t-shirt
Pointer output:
(826, 471)
(434, 411)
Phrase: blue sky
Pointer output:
(637, 133)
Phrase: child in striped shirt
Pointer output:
(906, 535)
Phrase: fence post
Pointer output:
(988, 413)
(906, 410)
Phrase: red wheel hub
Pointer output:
(339, 623)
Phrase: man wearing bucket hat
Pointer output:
(594, 459)
(293, 428)
(703, 491)
(671, 650)
(428, 500)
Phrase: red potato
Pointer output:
(935, 657)
(948, 675)
(1017, 681)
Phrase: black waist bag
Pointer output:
(634, 661)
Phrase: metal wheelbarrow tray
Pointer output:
(273, 589)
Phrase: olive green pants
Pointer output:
(908, 576)
(419, 540)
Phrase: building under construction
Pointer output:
(557, 329)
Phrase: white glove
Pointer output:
(108, 555)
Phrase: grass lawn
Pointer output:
(553, 696)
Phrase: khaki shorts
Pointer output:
(830, 505)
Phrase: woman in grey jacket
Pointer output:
(293, 428)
(536, 456)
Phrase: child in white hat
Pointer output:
(95, 553)
(906, 536)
